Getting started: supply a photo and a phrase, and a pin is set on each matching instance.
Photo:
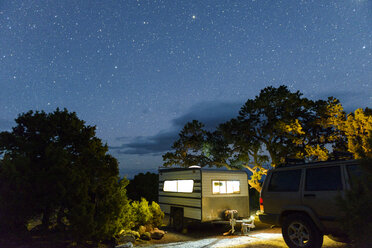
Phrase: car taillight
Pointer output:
(261, 204)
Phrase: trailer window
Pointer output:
(226, 187)
(181, 186)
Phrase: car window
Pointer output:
(323, 179)
(282, 181)
(354, 173)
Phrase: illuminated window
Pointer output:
(226, 187)
(181, 186)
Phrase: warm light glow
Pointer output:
(185, 186)
(226, 187)
(181, 186)
(170, 186)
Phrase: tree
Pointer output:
(190, 148)
(275, 125)
(53, 167)
(143, 186)
(357, 204)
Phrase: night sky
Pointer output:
(139, 70)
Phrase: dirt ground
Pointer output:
(209, 235)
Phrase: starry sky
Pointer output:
(139, 70)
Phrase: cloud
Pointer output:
(154, 145)
(210, 113)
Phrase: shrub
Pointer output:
(157, 214)
(357, 206)
(141, 213)
(144, 214)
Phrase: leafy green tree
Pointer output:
(354, 133)
(55, 168)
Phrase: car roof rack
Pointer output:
(340, 155)
(334, 156)
(291, 162)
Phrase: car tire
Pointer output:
(299, 231)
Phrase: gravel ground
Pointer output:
(208, 235)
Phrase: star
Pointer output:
(194, 17)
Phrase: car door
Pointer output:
(322, 187)
(282, 190)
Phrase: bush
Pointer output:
(143, 214)
(357, 206)
(157, 214)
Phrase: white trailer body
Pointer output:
(202, 194)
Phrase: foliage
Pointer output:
(352, 132)
(143, 214)
(189, 148)
(157, 214)
(142, 185)
(357, 206)
(53, 166)
(275, 125)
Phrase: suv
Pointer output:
(302, 199)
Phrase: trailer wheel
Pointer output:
(177, 219)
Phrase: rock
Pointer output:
(149, 228)
(157, 234)
(126, 238)
(135, 234)
(146, 236)
(126, 245)
(141, 230)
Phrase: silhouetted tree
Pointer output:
(54, 167)
(275, 125)
(190, 148)
(144, 186)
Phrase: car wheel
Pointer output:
(299, 231)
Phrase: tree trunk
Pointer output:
(60, 215)
(256, 186)
(45, 221)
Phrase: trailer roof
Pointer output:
(166, 169)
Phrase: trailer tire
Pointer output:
(177, 219)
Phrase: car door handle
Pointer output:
(309, 195)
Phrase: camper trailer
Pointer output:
(202, 194)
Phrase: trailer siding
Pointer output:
(202, 204)
(215, 204)
(190, 202)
